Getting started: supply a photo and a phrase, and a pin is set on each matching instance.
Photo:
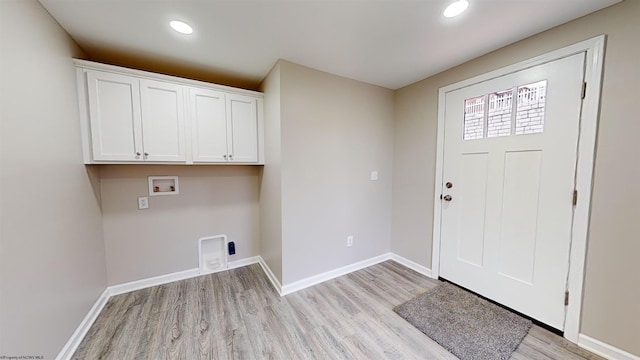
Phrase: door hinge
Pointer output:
(566, 298)
(584, 90)
(575, 197)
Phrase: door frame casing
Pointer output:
(594, 49)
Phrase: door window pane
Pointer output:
(530, 108)
(499, 114)
(474, 118)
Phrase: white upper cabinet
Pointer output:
(130, 116)
(162, 121)
(114, 113)
(208, 125)
(224, 127)
(242, 129)
(135, 120)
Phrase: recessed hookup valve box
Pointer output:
(232, 248)
(163, 185)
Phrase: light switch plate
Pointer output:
(143, 202)
(374, 175)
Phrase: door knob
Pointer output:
(447, 198)
(449, 185)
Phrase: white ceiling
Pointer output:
(391, 43)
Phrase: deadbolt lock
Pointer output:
(449, 185)
(447, 198)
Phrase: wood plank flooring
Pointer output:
(237, 314)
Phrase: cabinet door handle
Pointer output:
(146, 154)
(138, 153)
(224, 156)
(230, 156)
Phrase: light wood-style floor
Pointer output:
(237, 314)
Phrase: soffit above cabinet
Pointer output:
(91, 65)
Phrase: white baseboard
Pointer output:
(317, 279)
(272, 277)
(153, 281)
(412, 265)
(74, 341)
(243, 262)
(603, 349)
(176, 276)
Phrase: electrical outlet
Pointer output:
(349, 241)
(143, 202)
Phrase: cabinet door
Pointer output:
(163, 121)
(242, 139)
(208, 125)
(114, 110)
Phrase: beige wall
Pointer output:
(611, 311)
(414, 157)
(335, 131)
(52, 264)
(164, 238)
(271, 184)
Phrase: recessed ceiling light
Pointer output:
(181, 27)
(456, 8)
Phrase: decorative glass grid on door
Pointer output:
(499, 114)
(500, 117)
(474, 118)
(531, 104)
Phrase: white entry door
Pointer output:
(510, 148)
